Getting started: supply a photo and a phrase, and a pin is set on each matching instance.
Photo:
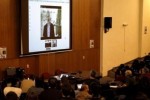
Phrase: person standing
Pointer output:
(48, 30)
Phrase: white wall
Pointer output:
(145, 40)
(120, 44)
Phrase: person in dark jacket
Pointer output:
(52, 93)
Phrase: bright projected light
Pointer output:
(45, 26)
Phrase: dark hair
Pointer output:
(39, 83)
(32, 96)
(139, 96)
(93, 73)
(11, 96)
(144, 83)
(67, 90)
(52, 82)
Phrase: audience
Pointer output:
(26, 84)
(32, 96)
(135, 77)
(130, 79)
(93, 74)
(16, 90)
(52, 93)
(144, 85)
(138, 96)
(120, 73)
(11, 96)
(83, 94)
(94, 86)
(34, 91)
(67, 90)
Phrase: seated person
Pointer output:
(11, 96)
(67, 90)
(83, 94)
(139, 96)
(51, 93)
(31, 96)
(26, 84)
(16, 90)
(48, 29)
(93, 75)
(130, 80)
(34, 91)
(94, 86)
(120, 73)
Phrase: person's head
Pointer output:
(128, 73)
(93, 73)
(64, 80)
(48, 17)
(67, 90)
(52, 82)
(11, 96)
(84, 87)
(58, 71)
(32, 96)
(39, 83)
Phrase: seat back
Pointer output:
(26, 84)
(18, 91)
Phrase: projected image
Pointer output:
(46, 26)
(50, 43)
(54, 43)
(50, 22)
(47, 43)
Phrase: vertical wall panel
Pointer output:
(76, 30)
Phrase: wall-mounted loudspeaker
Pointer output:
(107, 23)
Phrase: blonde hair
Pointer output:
(84, 87)
(128, 73)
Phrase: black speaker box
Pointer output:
(107, 22)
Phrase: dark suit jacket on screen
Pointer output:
(51, 32)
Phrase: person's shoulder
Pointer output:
(45, 25)
(52, 24)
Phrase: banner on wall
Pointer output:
(3, 52)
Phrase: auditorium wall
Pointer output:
(85, 27)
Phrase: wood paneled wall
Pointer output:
(85, 26)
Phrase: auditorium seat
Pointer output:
(26, 84)
(18, 91)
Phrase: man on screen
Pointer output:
(48, 30)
